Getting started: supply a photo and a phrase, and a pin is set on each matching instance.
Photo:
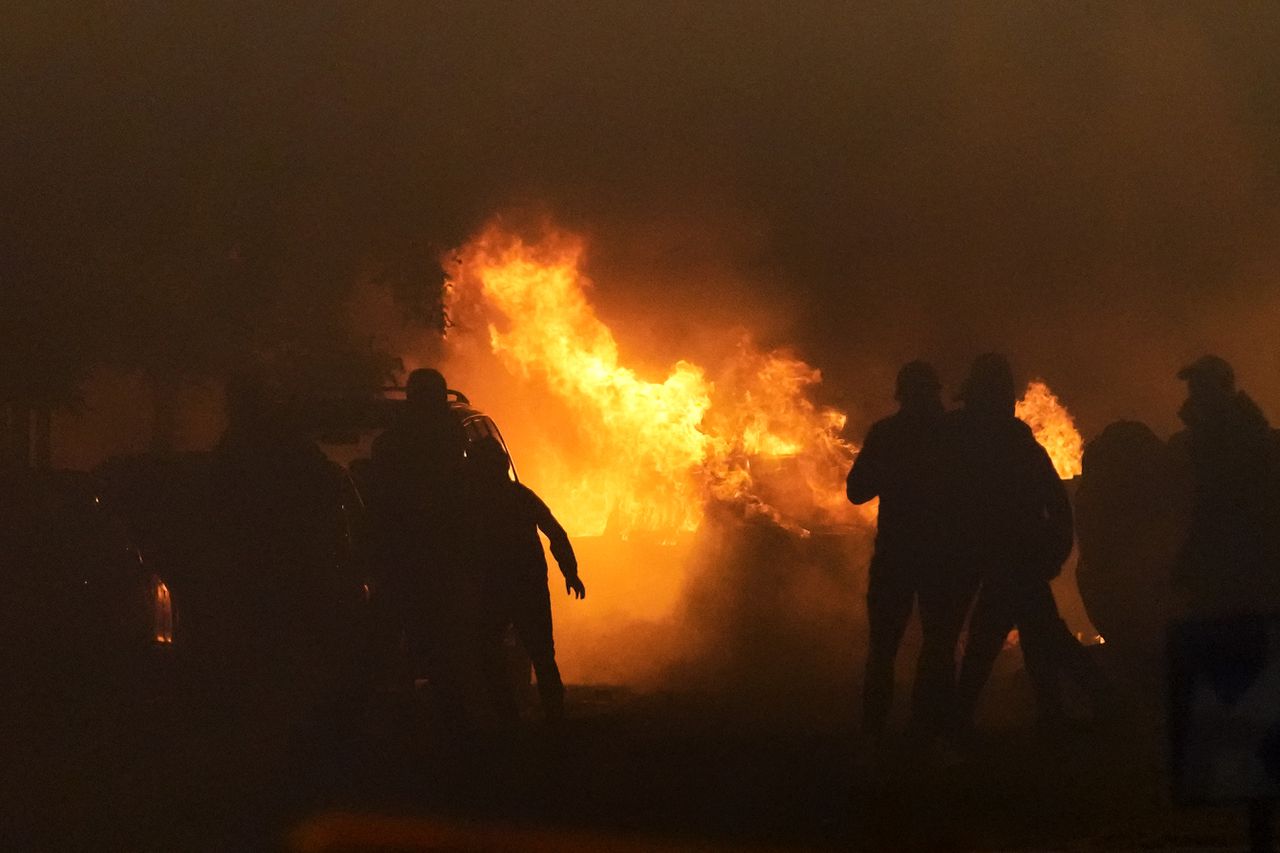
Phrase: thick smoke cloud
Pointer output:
(1091, 187)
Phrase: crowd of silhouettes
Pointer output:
(974, 523)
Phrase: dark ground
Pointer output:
(103, 771)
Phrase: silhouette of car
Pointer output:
(79, 594)
(185, 513)
(479, 427)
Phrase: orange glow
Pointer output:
(1054, 428)
(162, 612)
(648, 454)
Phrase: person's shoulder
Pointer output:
(526, 495)
(896, 423)
(883, 425)
(1022, 430)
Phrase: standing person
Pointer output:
(1228, 563)
(415, 472)
(507, 517)
(904, 462)
(1016, 526)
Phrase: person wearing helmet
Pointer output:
(415, 474)
(1015, 527)
(506, 517)
(1228, 562)
(903, 462)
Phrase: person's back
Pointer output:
(415, 473)
(276, 504)
(1004, 485)
(414, 479)
(1130, 512)
(905, 462)
(505, 519)
(416, 463)
(1228, 562)
(1017, 532)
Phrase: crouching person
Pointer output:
(514, 578)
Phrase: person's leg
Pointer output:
(498, 687)
(992, 620)
(890, 596)
(1043, 649)
(1052, 651)
(533, 627)
(945, 595)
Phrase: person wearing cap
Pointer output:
(1228, 562)
(904, 462)
(1015, 526)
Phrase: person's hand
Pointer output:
(573, 585)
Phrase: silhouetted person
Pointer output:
(904, 461)
(279, 499)
(415, 473)
(1016, 532)
(275, 615)
(1131, 512)
(507, 517)
(1228, 563)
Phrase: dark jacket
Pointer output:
(1232, 462)
(506, 519)
(903, 462)
(1012, 511)
(415, 477)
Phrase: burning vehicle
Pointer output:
(683, 484)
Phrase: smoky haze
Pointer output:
(1090, 187)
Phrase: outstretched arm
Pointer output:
(561, 549)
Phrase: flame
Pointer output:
(1054, 428)
(162, 611)
(649, 455)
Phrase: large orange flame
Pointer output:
(646, 455)
(1054, 428)
(649, 453)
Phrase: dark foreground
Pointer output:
(629, 771)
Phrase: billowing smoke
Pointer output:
(1090, 189)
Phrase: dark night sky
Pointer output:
(1091, 187)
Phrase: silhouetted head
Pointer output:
(918, 386)
(1124, 450)
(989, 386)
(1209, 378)
(426, 389)
(488, 460)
